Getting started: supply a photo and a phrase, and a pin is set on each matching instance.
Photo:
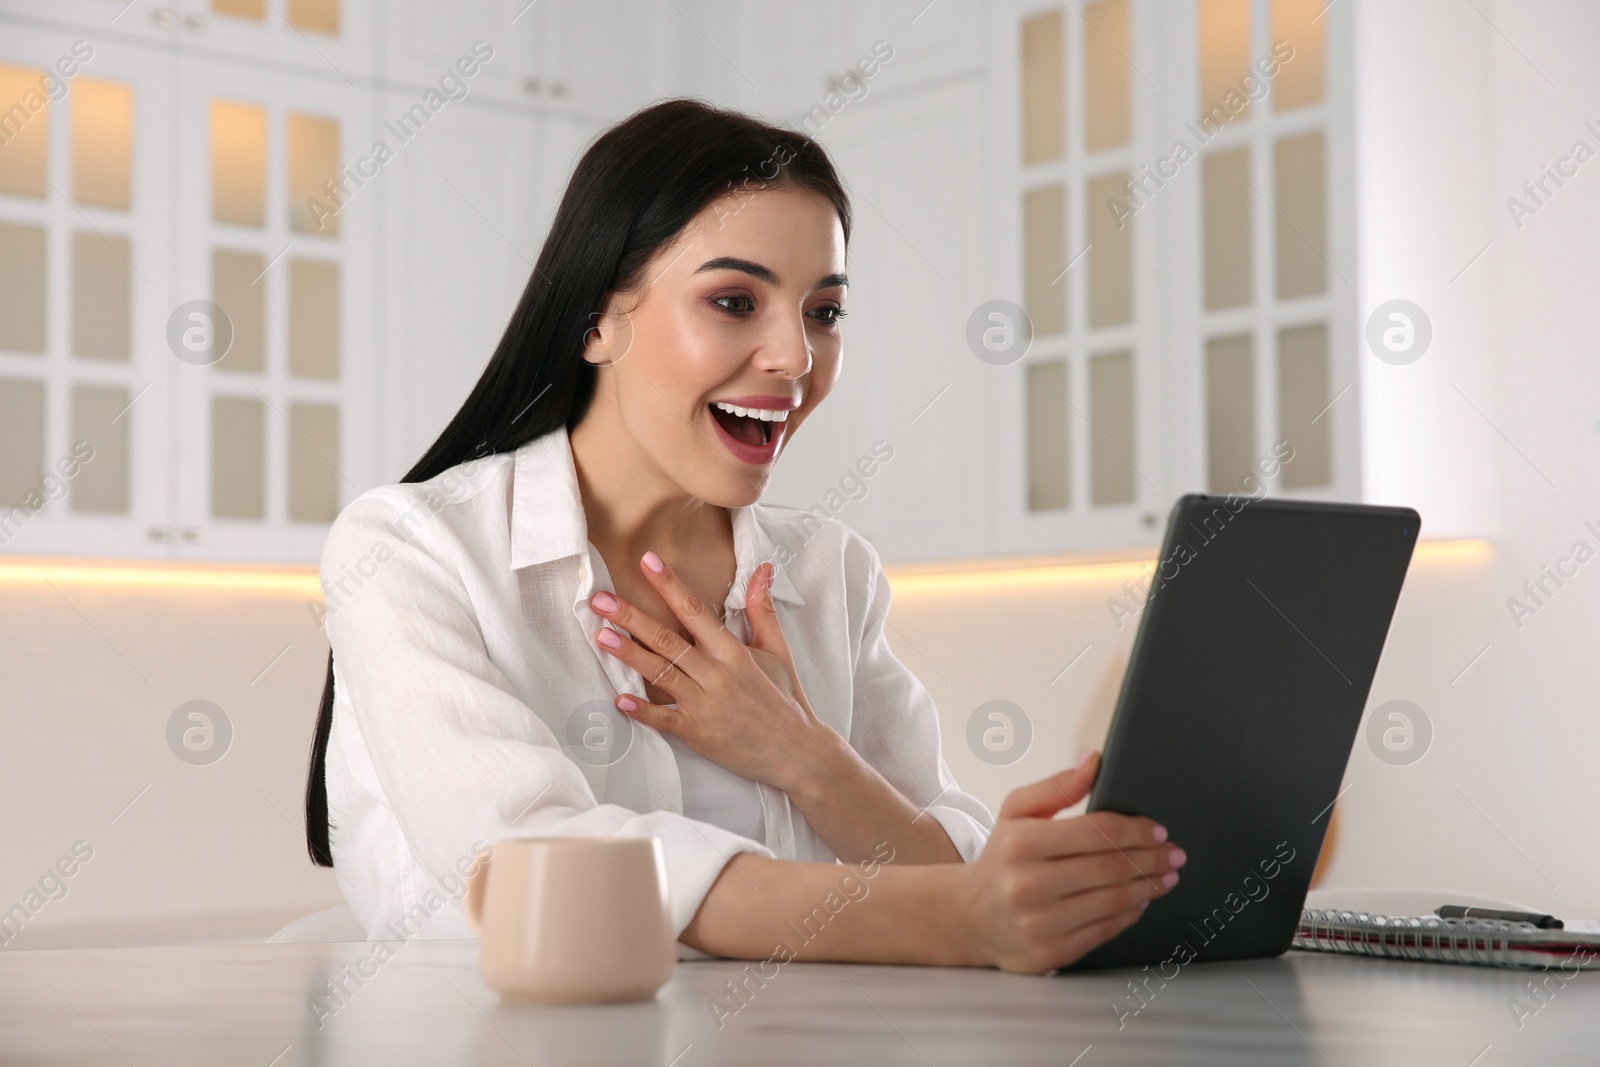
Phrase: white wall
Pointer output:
(216, 851)
(91, 676)
(1457, 110)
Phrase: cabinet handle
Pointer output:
(162, 16)
(195, 24)
(159, 533)
(191, 534)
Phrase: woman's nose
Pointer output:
(786, 349)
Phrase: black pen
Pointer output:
(1456, 911)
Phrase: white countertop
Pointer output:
(252, 1004)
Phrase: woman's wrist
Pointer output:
(853, 808)
(952, 914)
(818, 757)
(930, 908)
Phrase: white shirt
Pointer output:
(472, 702)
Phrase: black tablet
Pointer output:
(1257, 644)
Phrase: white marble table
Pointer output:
(253, 1005)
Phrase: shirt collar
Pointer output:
(548, 523)
(547, 519)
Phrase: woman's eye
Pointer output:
(828, 315)
(739, 304)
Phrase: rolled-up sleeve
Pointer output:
(456, 756)
(895, 724)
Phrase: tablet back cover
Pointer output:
(1243, 696)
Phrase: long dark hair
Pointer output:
(633, 191)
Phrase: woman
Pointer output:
(573, 617)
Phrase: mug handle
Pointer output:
(472, 903)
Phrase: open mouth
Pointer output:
(751, 434)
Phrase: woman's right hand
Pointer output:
(1045, 891)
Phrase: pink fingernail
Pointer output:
(1159, 833)
(1083, 761)
(604, 601)
(627, 703)
(653, 561)
(609, 638)
(1169, 879)
(1177, 857)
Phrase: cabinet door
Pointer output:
(275, 232)
(909, 379)
(85, 378)
(509, 50)
(468, 202)
(1181, 245)
(1083, 438)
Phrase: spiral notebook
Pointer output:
(1485, 942)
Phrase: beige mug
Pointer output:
(568, 920)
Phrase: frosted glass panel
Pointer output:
(26, 131)
(21, 287)
(238, 163)
(102, 142)
(1044, 252)
(101, 296)
(1106, 74)
(1111, 255)
(21, 449)
(313, 318)
(313, 161)
(1299, 81)
(1226, 204)
(1230, 412)
(320, 15)
(1300, 194)
(1303, 397)
(1044, 99)
(244, 9)
(238, 458)
(236, 289)
(1111, 437)
(101, 484)
(1047, 435)
(1224, 59)
(313, 455)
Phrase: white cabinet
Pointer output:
(309, 264)
(85, 208)
(204, 296)
(1174, 189)
(277, 206)
(468, 202)
(1190, 308)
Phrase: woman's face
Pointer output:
(740, 312)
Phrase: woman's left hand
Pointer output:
(740, 706)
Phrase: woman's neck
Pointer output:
(629, 503)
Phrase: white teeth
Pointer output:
(754, 413)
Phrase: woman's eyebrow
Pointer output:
(755, 270)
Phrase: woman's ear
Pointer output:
(609, 334)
